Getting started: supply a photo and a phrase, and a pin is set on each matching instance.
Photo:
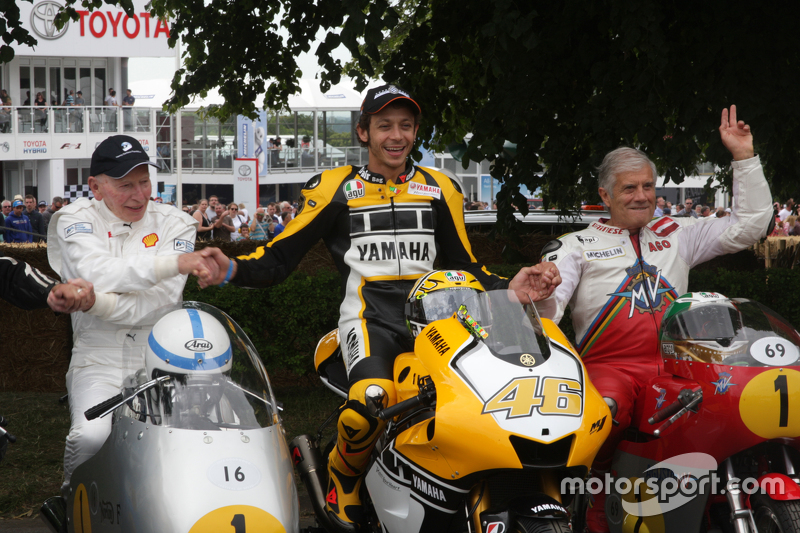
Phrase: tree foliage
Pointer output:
(566, 81)
(11, 30)
(569, 81)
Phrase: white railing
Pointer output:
(214, 158)
(23, 120)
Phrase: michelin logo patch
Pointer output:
(184, 246)
(424, 190)
(78, 227)
(599, 255)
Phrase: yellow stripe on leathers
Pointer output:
(321, 196)
(490, 447)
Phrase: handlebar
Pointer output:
(400, 408)
(94, 412)
(105, 407)
(426, 396)
(683, 399)
(688, 400)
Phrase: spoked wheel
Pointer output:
(773, 516)
(524, 524)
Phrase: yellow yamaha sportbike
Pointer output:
(494, 411)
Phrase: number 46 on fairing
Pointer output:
(547, 395)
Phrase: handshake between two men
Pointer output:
(212, 267)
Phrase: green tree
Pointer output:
(565, 81)
(11, 30)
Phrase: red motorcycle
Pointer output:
(714, 444)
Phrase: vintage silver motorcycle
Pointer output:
(196, 443)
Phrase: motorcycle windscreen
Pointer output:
(215, 378)
(740, 332)
(507, 323)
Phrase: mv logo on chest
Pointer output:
(646, 290)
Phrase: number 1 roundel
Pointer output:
(237, 519)
(766, 406)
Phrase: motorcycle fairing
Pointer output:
(407, 498)
(499, 385)
(466, 376)
(167, 479)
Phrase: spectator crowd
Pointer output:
(25, 220)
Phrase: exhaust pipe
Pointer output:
(54, 514)
(313, 471)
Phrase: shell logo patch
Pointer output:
(353, 189)
(150, 240)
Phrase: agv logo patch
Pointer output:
(353, 189)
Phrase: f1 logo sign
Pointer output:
(496, 527)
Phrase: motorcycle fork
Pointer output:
(550, 485)
(788, 464)
(479, 501)
(741, 516)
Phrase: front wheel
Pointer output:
(773, 516)
(524, 524)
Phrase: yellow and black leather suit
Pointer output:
(382, 236)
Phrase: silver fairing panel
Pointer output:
(407, 499)
(150, 478)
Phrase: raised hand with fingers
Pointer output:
(736, 135)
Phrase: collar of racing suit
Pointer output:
(374, 177)
(119, 226)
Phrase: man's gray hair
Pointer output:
(619, 161)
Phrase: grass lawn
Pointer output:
(32, 470)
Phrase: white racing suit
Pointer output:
(134, 269)
(618, 294)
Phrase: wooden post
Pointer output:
(767, 254)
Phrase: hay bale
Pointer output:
(37, 343)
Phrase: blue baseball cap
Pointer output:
(18, 203)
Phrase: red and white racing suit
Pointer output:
(619, 285)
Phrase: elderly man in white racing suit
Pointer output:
(385, 224)
(135, 253)
(620, 275)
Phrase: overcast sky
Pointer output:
(148, 68)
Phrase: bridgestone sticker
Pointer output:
(78, 227)
(602, 255)
(184, 246)
(421, 189)
(668, 348)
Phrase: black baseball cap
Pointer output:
(379, 97)
(117, 156)
(42, 203)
